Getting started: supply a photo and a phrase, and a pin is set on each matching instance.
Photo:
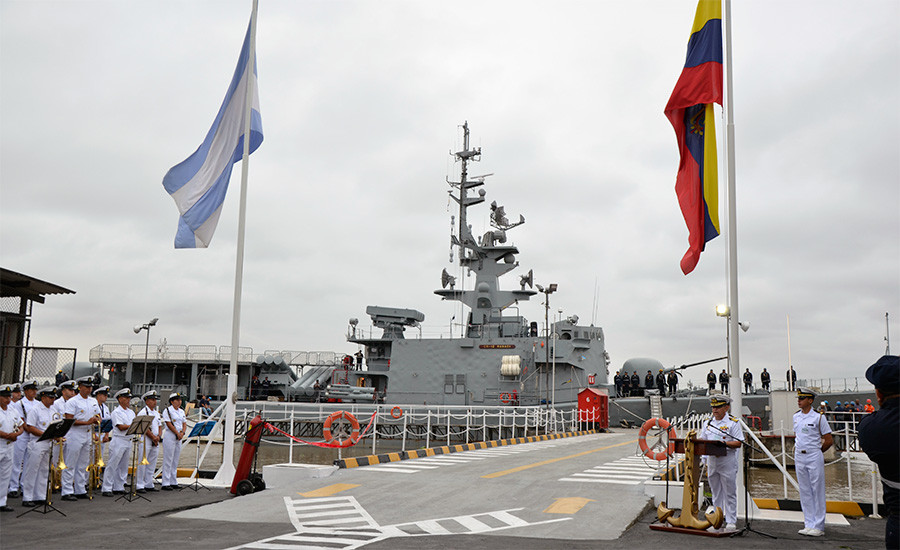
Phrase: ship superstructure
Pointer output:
(500, 358)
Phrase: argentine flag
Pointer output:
(198, 184)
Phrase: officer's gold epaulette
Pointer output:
(730, 417)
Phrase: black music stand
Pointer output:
(57, 428)
(747, 526)
(138, 428)
(199, 430)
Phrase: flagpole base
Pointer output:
(225, 475)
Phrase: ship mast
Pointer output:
(466, 240)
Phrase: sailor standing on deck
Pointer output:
(711, 381)
(174, 421)
(10, 430)
(152, 439)
(84, 410)
(120, 444)
(23, 407)
(722, 471)
(34, 474)
(812, 437)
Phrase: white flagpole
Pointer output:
(226, 472)
(734, 319)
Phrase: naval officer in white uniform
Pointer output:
(174, 422)
(86, 412)
(10, 430)
(722, 471)
(117, 465)
(812, 437)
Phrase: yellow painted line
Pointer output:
(570, 505)
(766, 503)
(845, 507)
(351, 462)
(552, 460)
(373, 460)
(394, 457)
(329, 490)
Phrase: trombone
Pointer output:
(56, 471)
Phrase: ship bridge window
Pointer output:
(566, 335)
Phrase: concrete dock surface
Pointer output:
(580, 492)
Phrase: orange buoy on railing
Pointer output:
(341, 438)
(396, 412)
(665, 427)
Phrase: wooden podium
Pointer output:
(688, 522)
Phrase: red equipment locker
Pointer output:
(593, 409)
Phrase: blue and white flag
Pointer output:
(198, 184)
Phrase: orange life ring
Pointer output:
(346, 441)
(505, 398)
(396, 412)
(664, 426)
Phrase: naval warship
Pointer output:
(500, 358)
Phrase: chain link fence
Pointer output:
(42, 364)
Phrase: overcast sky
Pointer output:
(361, 103)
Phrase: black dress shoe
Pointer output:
(29, 504)
(167, 488)
(118, 492)
(140, 491)
(151, 489)
(107, 493)
(6, 509)
(13, 494)
(69, 497)
(81, 495)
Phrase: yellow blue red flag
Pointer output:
(690, 111)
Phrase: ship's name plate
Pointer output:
(497, 346)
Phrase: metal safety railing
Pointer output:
(846, 443)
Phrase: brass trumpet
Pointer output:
(144, 461)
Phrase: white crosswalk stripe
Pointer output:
(316, 530)
(630, 470)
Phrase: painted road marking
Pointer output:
(568, 505)
(630, 470)
(552, 460)
(328, 512)
(329, 490)
(414, 465)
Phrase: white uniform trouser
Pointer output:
(117, 465)
(7, 453)
(723, 484)
(810, 470)
(145, 473)
(171, 454)
(77, 455)
(20, 456)
(35, 472)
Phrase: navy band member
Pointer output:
(10, 430)
(152, 438)
(23, 406)
(174, 422)
(879, 433)
(722, 470)
(86, 412)
(117, 465)
(34, 475)
(812, 437)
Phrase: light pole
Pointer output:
(551, 288)
(137, 330)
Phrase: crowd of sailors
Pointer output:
(95, 453)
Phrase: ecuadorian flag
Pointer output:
(690, 111)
